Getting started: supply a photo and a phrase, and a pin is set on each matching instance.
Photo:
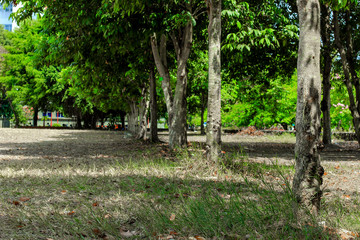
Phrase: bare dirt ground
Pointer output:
(341, 161)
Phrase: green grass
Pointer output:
(145, 195)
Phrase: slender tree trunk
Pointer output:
(153, 108)
(133, 118)
(159, 53)
(354, 103)
(122, 118)
(202, 129)
(35, 117)
(16, 115)
(176, 106)
(94, 119)
(213, 136)
(308, 171)
(326, 101)
(78, 121)
(143, 111)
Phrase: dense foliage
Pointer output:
(89, 59)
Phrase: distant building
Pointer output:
(5, 19)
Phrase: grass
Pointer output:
(145, 195)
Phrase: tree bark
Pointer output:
(122, 118)
(354, 102)
(213, 135)
(153, 108)
(133, 118)
(176, 105)
(202, 129)
(159, 53)
(326, 101)
(16, 115)
(35, 117)
(78, 120)
(308, 171)
(143, 111)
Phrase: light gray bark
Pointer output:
(159, 53)
(213, 136)
(143, 111)
(326, 101)
(176, 105)
(354, 102)
(133, 115)
(308, 171)
(137, 117)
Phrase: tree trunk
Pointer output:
(94, 119)
(153, 108)
(159, 53)
(176, 106)
(16, 114)
(143, 111)
(213, 135)
(308, 171)
(202, 129)
(35, 117)
(326, 101)
(78, 121)
(354, 103)
(133, 116)
(122, 118)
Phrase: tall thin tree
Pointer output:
(213, 136)
(308, 172)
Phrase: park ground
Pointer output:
(72, 184)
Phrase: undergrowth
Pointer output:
(238, 202)
(154, 193)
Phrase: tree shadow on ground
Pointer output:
(68, 185)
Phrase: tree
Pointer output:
(181, 34)
(213, 136)
(326, 71)
(348, 60)
(153, 107)
(308, 170)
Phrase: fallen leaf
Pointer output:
(24, 199)
(16, 203)
(337, 167)
(96, 231)
(197, 237)
(71, 213)
(173, 233)
(172, 217)
(107, 216)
